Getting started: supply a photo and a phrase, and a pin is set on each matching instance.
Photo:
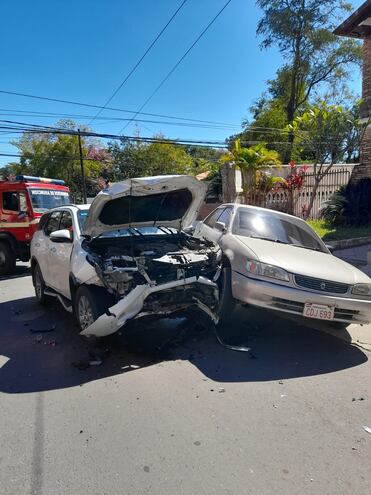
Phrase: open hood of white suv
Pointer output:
(163, 201)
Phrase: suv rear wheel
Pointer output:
(7, 259)
(39, 285)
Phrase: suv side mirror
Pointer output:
(221, 227)
(61, 236)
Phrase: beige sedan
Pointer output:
(276, 261)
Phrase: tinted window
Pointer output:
(226, 216)
(66, 221)
(82, 215)
(43, 221)
(272, 227)
(14, 201)
(53, 222)
(213, 217)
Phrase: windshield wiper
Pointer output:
(268, 239)
(306, 247)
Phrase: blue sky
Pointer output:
(81, 50)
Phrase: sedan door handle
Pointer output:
(53, 250)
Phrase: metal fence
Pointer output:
(281, 199)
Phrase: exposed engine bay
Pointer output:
(178, 269)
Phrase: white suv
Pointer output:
(127, 256)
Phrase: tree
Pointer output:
(57, 156)
(135, 159)
(326, 130)
(251, 161)
(302, 30)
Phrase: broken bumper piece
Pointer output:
(142, 301)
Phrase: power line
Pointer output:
(179, 62)
(139, 61)
(90, 105)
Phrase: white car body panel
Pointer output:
(59, 261)
(143, 187)
(131, 305)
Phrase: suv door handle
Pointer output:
(53, 249)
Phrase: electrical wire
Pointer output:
(90, 105)
(199, 37)
(127, 77)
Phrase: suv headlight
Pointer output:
(361, 289)
(264, 270)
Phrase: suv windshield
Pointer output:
(272, 227)
(44, 199)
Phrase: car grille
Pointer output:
(321, 285)
(298, 307)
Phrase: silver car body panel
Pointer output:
(263, 292)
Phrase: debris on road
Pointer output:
(221, 390)
(367, 429)
(42, 331)
(95, 362)
(357, 398)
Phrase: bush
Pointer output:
(350, 205)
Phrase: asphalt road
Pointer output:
(177, 413)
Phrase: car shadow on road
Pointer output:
(19, 271)
(41, 350)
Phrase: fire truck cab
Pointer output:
(22, 202)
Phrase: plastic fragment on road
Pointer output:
(367, 429)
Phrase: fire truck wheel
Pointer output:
(7, 259)
(39, 285)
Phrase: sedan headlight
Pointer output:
(264, 270)
(362, 289)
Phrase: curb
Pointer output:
(349, 243)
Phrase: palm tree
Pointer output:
(251, 161)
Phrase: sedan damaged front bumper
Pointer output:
(160, 300)
(291, 299)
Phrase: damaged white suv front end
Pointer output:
(131, 257)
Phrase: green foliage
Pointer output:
(350, 205)
(57, 156)
(251, 161)
(138, 159)
(330, 232)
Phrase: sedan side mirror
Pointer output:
(221, 227)
(61, 236)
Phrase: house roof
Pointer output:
(358, 25)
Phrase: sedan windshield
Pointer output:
(275, 228)
(44, 199)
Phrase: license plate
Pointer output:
(318, 311)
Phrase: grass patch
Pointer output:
(330, 233)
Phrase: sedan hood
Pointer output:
(302, 261)
(162, 201)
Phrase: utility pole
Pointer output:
(85, 200)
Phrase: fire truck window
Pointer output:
(66, 221)
(53, 223)
(11, 201)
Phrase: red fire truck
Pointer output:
(22, 202)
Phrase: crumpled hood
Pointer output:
(305, 261)
(163, 201)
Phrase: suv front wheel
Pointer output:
(39, 285)
(89, 304)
